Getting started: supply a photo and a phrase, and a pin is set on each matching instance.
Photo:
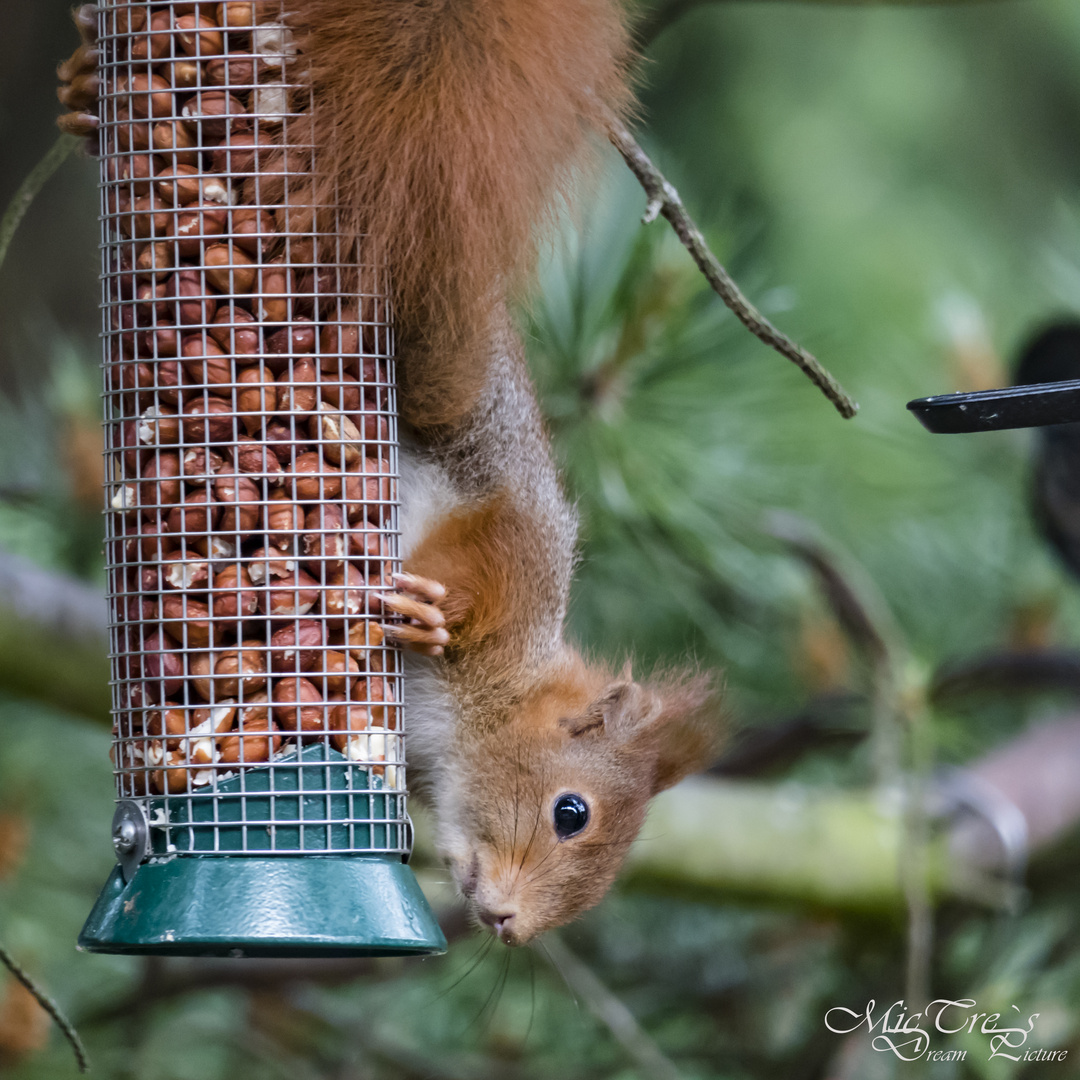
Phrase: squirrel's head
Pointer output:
(551, 798)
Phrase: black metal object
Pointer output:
(1037, 405)
(1047, 391)
(1046, 396)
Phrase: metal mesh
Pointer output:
(250, 448)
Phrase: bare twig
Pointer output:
(610, 1011)
(50, 1007)
(664, 200)
(28, 189)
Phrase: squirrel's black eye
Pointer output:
(571, 815)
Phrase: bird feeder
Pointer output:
(251, 518)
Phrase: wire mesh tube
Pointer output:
(251, 455)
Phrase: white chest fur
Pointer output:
(427, 496)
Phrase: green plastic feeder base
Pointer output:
(186, 903)
(284, 906)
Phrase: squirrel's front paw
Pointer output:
(418, 600)
(79, 73)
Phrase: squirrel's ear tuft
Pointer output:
(673, 721)
(611, 711)
(681, 726)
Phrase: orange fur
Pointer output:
(476, 556)
(448, 128)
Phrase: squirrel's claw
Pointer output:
(82, 62)
(83, 124)
(427, 615)
(81, 93)
(418, 640)
(424, 588)
(79, 73)
(417, 599)
(85, 17)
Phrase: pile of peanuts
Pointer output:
(249, 415)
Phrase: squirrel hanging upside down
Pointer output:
(449, 129)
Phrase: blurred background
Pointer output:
(898, 188)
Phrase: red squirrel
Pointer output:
(450, 128)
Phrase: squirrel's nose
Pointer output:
(502, 924)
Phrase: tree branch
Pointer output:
(50, 1006)
(664, 200)
(36, 179)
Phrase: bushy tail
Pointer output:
(450, 128)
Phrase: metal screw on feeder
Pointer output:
(125, 837)
(251, 469)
